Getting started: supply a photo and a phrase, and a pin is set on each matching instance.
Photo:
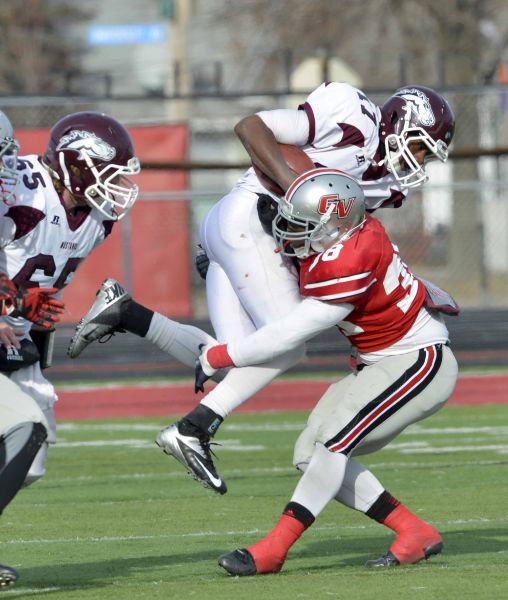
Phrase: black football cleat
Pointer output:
(390, 560)
(8, 576)
(239, 562)
(194, 454)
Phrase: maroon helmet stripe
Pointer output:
(309, 175)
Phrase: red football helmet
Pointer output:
(415, 114)
(92, 155)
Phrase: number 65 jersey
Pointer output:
(367, 272)
(41, 242)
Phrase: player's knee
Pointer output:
(290, 359)
(304, 448)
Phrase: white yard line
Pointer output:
(280, 427)
(221, 534)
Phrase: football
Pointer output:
(297, 160)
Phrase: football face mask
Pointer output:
(9, 148)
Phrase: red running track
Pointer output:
(178, 399)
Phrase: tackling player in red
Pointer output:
(351, 276)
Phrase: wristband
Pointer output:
(218, 357)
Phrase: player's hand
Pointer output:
(38, 306)
(267, 211)
(203, 370)
(202, 262)
(9, 336)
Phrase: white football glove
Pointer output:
(203, 370)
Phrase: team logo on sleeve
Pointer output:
(332, 204)
(85, 141)
(421, 104)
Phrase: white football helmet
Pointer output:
(9, 148)
(321, 208)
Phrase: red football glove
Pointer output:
(37, 305)
(8, 293)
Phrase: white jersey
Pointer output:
(41, 242)
(342, 133)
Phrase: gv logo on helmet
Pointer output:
(332, 204)
(85, 142)
(421, 104)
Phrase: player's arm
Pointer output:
(306, 320)
(260, 134)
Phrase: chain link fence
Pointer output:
(452, 231)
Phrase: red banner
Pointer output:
(149, 250)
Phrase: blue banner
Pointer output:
(117, 35)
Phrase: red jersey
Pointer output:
(367, 272)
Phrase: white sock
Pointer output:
(180, 341)
(321, 481)
(360, 488)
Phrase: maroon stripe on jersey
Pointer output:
(25, 218)
(409, 385)
(108, 226)
(351, 136)
(395, 200)
(374, 171)
(312, 121)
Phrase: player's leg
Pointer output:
(114, 310)
(415, 539)
(32, 382)
(22, 432)
(360, 489)
(247, 286)
(188, 440)
(371, 410)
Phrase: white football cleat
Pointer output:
(8, 576)
(102, 319)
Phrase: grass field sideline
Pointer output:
(117, 519)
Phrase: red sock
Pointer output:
(270, 552)
(413, 535)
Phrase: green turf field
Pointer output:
(117, 519)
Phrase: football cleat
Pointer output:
(390, 560)
(8, 576)
(194, 454)
(239, 562)
(102, 319)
